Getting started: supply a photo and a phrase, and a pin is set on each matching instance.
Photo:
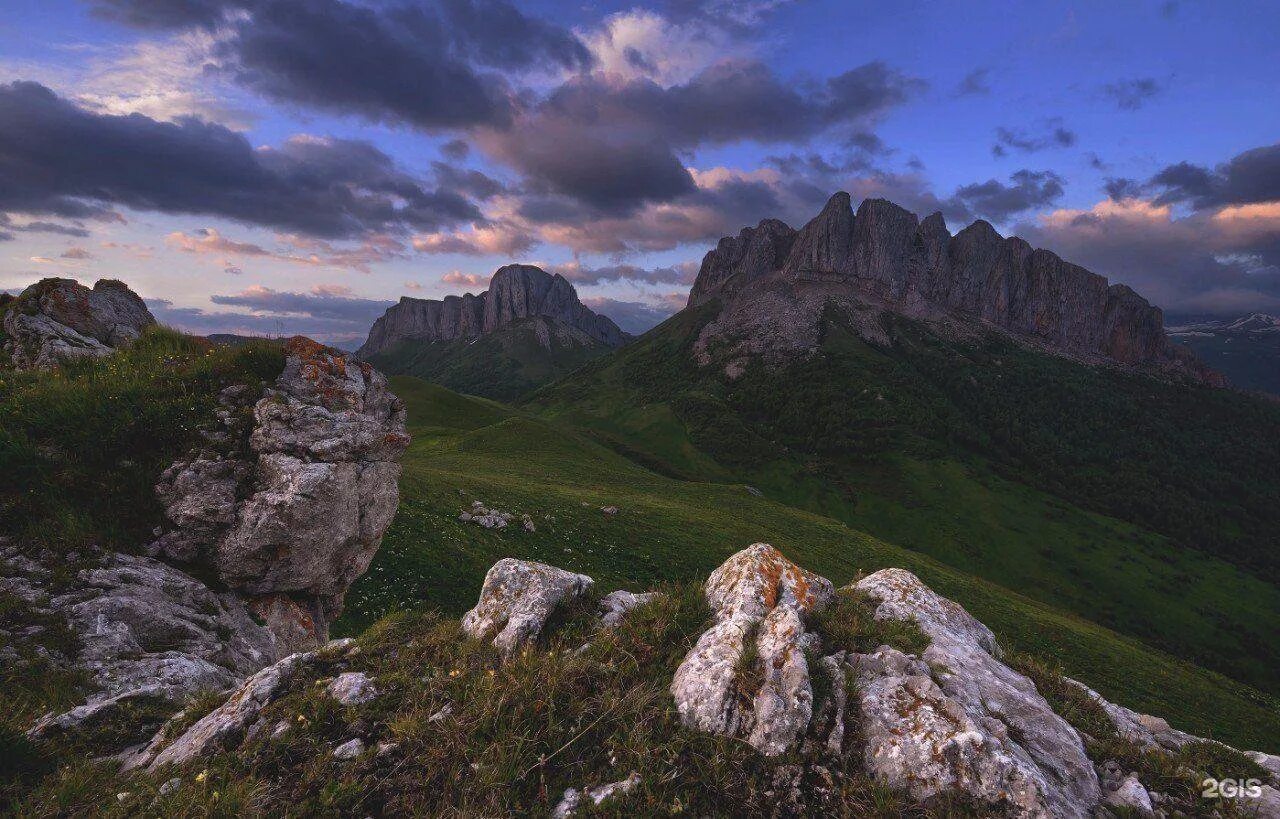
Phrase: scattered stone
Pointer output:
(527, 522)
(482, 515)
(352, 688)
(756, 594)
(615, 606)
(574, 800)
(384, 748)
(170, 787)
(609, 510)
(517, 598)
(1131, 795)
(443, 714)
(350, 749)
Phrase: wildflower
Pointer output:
(203, 775)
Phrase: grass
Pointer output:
(513, 737)
(1145, 508)
(673, 530)
(503, 365)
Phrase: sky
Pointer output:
(285, 166)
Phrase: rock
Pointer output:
(1131, 795)
(615, 606)
(170, 787)
(609, 510)
(574, 800)
(958, 718)
(885, 259)
(226, 725)
(515, 292)
(350, 749)
(517, 598)
(352, 688)
(56, 320)
(441, 715)
(293, 520)
(756, 594)
(385, 748)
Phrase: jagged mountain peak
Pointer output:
(515, 292)
(884, 258)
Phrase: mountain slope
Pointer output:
(504, 364)
(1137, 501)
(466, 450)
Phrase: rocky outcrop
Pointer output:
(758, 597)
(958, 718)
(517, 598)
(885, 257)
(56, 320)
(291, 516)
(272, 520)
(515, 292)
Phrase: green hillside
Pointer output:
(666, 529)
(1142, 505)
(504, 364)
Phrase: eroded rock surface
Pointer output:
(55, 320)
(517, 598)
(757, 595)
(984, 725)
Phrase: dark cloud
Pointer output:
(613, 144)
(1052, 135)
(1130, 95)
(62, 160)
(324, 303)
(974, 83)
(166, 14)
(683, 273)
(473, 183)
(456, 149)
(496, 33)
(998, 201)
(1119, 188)
(268, 324)
(1249, 177)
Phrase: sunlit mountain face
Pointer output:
(265, 167)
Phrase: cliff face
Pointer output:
(887, 255)
(515, 292)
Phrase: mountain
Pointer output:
(516, 291)
(1246, 349)
(503, 364)
(775, 284)
(1074, 473)
(528, 328)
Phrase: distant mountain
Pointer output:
(528, 328)
(776, 283)
(1245, 349)
(516, 291)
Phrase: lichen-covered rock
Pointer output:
(1132, 796)
(290, 521)
(985, 727)
(227, 724)
(615, 606)
(517, 598)
(55, 320)
(759, 595)
(352, 688)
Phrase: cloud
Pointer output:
(682, 273)
(975, 83)
(1130, 95)
(1248, 177)
(332, 302)
(166, 14)
(1120, 188)
(209, 240)
(1052, 134)
(466, 279)
(77, 254)
(1221, 261)
(498, 238)
(636, 317)
(998, 201)
(60, 159)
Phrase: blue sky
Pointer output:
(289, 166)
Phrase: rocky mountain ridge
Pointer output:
(515, 292)
(775, 282)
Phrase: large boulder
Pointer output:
(291, 519)
(760, 596)
(958, 718)
(55, 320)
(517, 598)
